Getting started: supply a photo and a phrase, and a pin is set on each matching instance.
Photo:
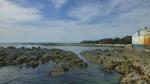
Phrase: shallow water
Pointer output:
(91, 75)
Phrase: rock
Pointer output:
(77, 63)
(32, 57)
(132, 63)
(59, 70)
(32, 64)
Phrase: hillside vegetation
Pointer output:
(124, 40)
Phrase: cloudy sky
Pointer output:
(70, 20)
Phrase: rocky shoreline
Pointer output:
(133, 63)
(32, 57)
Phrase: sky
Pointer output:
(71, 20)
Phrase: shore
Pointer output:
(132, 63)
(32, 57)
(69, 44)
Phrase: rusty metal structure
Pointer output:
(141, 37)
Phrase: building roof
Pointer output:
(142, 32)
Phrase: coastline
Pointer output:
(132, 63)
(33, 57)
(66, 44)
(89, 74)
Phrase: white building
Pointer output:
(141, 37)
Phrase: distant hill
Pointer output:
(124, 40)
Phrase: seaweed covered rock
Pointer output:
(61, 69)
(32, 64)
(32, 57)
(132, 63)
(77, 63)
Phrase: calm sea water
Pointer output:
(91, 75)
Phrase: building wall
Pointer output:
(141, 37)
(137, 39)
(147, 40)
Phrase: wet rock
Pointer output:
(77, 63)
(32, 57)
(132, 63)
(59, 70)
(32, 64)
(21, 60)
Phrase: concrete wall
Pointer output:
(137, 39)
(147, 40)
(141, 37)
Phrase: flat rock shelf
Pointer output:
(36, 64)
(32, 57)
(133, 63)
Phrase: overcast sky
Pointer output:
(70, 20)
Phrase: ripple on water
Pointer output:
(91, 75)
